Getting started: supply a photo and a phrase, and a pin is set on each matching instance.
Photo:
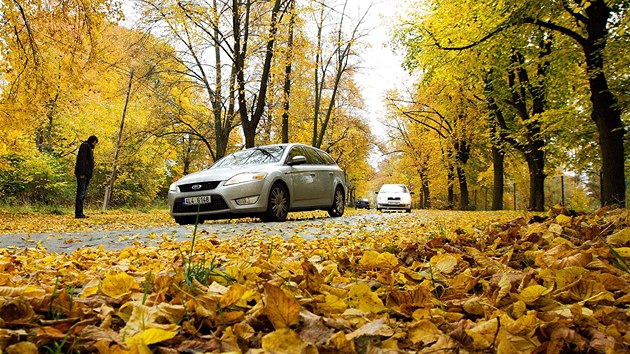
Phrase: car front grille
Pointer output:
(393, 198)
(217, 203)
(205, 186)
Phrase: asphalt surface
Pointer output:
(119, 239)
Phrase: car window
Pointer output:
(328, 160)
(393, 188)
(313, 158)
(296, 151)
(253, 156)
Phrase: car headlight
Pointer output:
(173, 187)
(245, 177)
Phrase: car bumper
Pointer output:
(223, 200)
(394, 206)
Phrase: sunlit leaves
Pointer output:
(282, 309)
(498, 286)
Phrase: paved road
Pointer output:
(119, 239)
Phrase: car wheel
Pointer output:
(339, 204)
(409, 210)
(278, 204)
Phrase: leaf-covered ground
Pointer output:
(460, 282)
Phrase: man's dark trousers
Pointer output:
(82, 184)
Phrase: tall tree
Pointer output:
(46, 48)
(335, 63)
(200, 33)
(241, 14)
(591, 25)
(287, 74)
(521, 126)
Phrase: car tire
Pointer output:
(278, 203)
(409, 210)
(339, 204)
(187, 220)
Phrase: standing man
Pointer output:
(83, 170)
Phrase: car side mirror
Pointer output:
(297, 160)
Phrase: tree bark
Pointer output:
(426, 193)
(462, 154)
(287, 76)
(498, 188)
(605, 114)
(110, 186)
(535, 163)
(451, 186)
(249, 122)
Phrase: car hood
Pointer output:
(221, 174)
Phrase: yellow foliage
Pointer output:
(336, 292)
(118, 285)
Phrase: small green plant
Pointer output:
(619, 261)
(391, 248)
(198, 270)
(204, 274)
(58, 347)
(147, 287)
(270, 251)
(54, 313)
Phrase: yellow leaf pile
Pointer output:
(435, 282)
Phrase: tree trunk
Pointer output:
(464, 198)
(250, 123)
(606, 113)
(221, 132)
(462, 154)
(535, 162)
(319, 82)
(451, 186)
(426, 193)
(498, 188)
(287, 76)
(110, 186)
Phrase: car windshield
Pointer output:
(393, 188)
(254, 156)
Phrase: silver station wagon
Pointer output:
(266, 182)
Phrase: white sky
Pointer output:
(381, 67)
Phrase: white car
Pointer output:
(394, 197)
(267, 181)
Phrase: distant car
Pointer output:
(362, 203)
(266, 181)
(393, 197)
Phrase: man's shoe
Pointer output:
(82, 217)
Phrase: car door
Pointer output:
(323, 185)
(302, 179)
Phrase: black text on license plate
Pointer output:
(197, 200)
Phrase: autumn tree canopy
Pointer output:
(509, 101)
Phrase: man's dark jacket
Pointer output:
(85, 161)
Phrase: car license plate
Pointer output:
(197, 200)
